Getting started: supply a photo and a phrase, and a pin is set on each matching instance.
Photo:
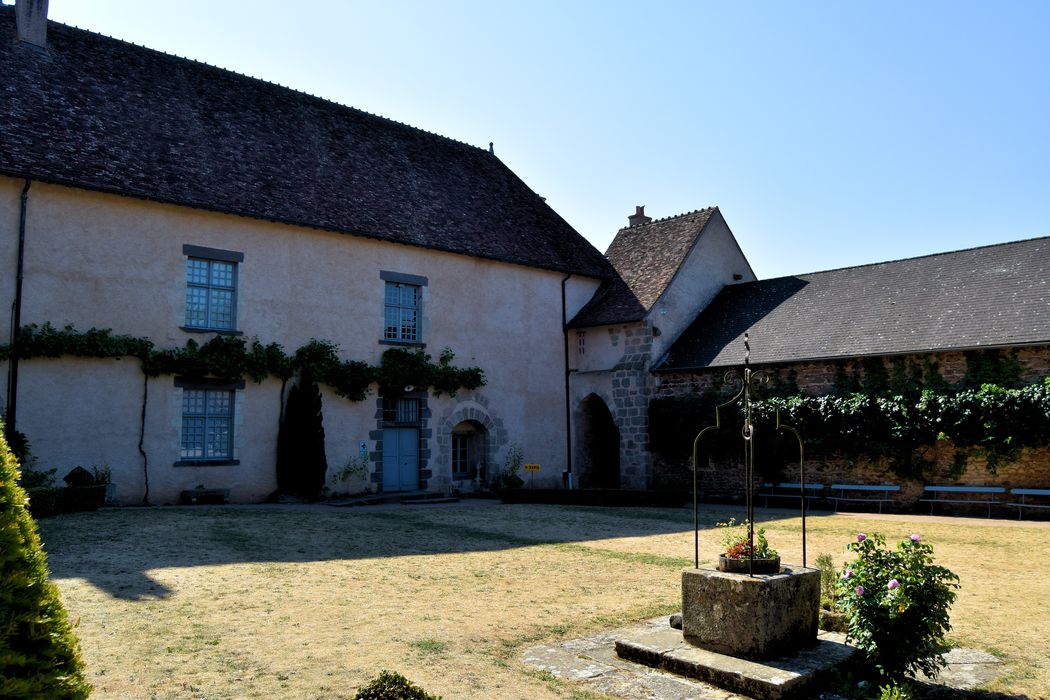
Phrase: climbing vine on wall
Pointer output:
(998, 420)
(234, 357)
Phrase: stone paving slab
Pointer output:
(784, 677)
(593, 662)
(967, 668)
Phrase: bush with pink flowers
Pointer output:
(896, 603)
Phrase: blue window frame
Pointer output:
(207, 424)
(401, 312)
(211, 288)
(211, 294)
(402, 307)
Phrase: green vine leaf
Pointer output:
(234, 357)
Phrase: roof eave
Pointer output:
(832, 358)
(290, 222)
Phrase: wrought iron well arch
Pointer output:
(748, 432)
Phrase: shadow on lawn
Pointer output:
(115, 549)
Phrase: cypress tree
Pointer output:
(39, 654)
(301, 460)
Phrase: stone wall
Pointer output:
(631, 387)
(819, 378)
(950, 465)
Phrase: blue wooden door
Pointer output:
(400, 459)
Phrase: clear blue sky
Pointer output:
(830, 133)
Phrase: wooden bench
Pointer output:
(944, 494)
(789, 490)
(1023, 493)
(862, 493)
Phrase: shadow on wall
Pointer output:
(725, 320)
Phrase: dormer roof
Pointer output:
(647, 256)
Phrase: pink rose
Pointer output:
(859, 590)
(894, 583)
(861, 537)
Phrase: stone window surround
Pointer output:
(425, 433)
(472, 407)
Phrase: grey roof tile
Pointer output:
(102, 114)
(993, 296)
(646, 256)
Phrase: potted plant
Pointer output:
(104, 477)
(738, 556)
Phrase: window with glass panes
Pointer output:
(401, 411)
(462, 447)
(207, 424)
(211, 294)
(401, 312)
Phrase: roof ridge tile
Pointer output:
(671, 217)
(908, 259)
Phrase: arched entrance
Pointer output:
(469, 451)
(600, 445)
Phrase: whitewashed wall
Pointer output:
(96, 260)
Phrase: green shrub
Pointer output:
(896, 692)
(828, 577)
(508, 476)
(39, 654)
(389, 685)
(301, 460)
(45, 501)
(897, 602)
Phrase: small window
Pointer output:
(468, 450)
(461, 453)
(402, 312)
(581, 342)
(211, 288)
(207, 424)
(402, 307)
(403, 411)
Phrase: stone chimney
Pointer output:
(638, 217)
(31, 19)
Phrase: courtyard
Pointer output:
(312, 601)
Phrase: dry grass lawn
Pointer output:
(284, 602)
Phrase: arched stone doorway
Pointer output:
(470, 450)
(599, 467)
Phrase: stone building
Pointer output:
(934, 318)
(669, 270)
(172, 201)
(169, 200)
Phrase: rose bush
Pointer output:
(897, 603)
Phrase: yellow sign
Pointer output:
(532, 467)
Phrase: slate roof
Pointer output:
(646, 256)
(994, 296)
(102, 114)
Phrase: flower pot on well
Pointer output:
(740, 566)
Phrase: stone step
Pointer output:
(773, 679)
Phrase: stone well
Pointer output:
(751, 617)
